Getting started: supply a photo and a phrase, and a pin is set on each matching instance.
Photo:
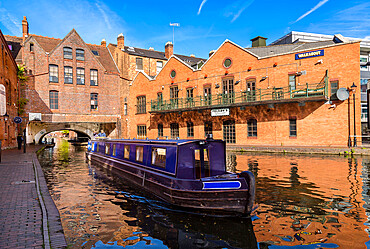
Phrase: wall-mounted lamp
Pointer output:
(187, 79)
(162, 87)
(263, 78)
(205, 76)
(6, 116)
(237, 82)
(298, 73)
(249, 68)
(353, 87)
(275, 64)
(319, 62)
(217, 85)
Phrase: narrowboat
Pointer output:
(185, 173)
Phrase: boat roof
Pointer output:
(149, 141)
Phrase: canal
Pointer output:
(304, 202)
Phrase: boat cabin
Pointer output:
(183, 159)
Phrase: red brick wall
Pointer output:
(74, 100)
(316, 123)
(8, 78)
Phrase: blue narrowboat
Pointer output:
(186, 173)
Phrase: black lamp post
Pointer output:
(353, 88)
(6, 116)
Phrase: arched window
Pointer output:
(80, 54)
(252, 127)
(160, 130)
(67, 53)
(229, 131)
(53, 73)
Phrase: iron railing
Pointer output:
(223, 99)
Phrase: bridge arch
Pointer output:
(38, 138)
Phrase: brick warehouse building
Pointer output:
(131, 60)
(8, 95)
(69, 82)
(264, 95)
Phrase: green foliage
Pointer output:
(22, 73)
(21, 104)
(65, 131)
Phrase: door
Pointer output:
(228, 91)
(207, 95)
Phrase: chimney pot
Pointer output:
(211, 53)
(168, 50)
(120, 41)
(151, 48)
(25, 27)
(192, 55)
(103, 43)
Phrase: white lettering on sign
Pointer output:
(2, 100)
(220, 112)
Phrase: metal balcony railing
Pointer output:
(258, 95)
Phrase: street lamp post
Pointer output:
(354, 87)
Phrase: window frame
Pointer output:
(67, 53)
(229, 131)
(137, 157)
(126, 153)
(52, 72)
(80, 76)
(66, 74)
(141, 104)
(292, 87)
(94, 97)
(252, 128)
(159, 68)
(293, 132)
(54, 99)
(207, 125)
(93, 82)
(78, 54)
(174, 130)
(141, 131)
(190, 129)
(165, 159)
(160, 130)
(139, 63)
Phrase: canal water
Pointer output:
(304, 202)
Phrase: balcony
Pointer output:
(308, 92)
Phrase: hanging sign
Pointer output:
(2, 100)
(310, 54)
(17, 120)
(220, 112)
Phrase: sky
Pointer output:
(203, 24)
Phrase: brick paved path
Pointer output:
(21, 217)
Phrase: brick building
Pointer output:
(8, 95)
(131, 60)
(69, 80)
(263, 95)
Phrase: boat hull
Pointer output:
(180, 192)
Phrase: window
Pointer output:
(141, 104)
(363, 112)
(160, 98)
(293, 127)
(202, 157)
(80, 76)
(67, 53)
(107, 149)
(126, 153)
(190, 129)
(333, 87)
(363, 61)
(95, 52)
(125, 109)
(114, 152)
(173, 74)
(207, 128)
(53, 73)
(68, 75)
(93, 101)
(207, 95)
(227, 63)
(252, 128)
(139, 63)
(174, 96)
(141, 131)
(229, 131)
(53, 99)
(174, 127)
(139, 153)
(80, 54)
(189, 97)
(31, 47)
(251, 90)
(159, 157)
(160, 130)
(159, 66)
(228, 90)
(93, 77)
(292, 81)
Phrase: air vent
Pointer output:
(95, 52)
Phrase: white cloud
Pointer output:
(10, 22)
(235, 9)
(201, 6)
(321, 3)
(104, 14)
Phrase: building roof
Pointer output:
(274, 50)
(49, 43)
(16, 43)
(189, 60)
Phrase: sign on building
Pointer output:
(35, 116)
(2, 100)
(309, 54)
(220, 112)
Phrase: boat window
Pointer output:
(97, 147)
(198, 164)
(139, 153)
(107, 149)
(114, 150)
(159, 157)
(207, 171)
(127, 152)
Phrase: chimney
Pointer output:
(25, 28)
(192, 55)
(259, 41)
(103, 43)
(168, 50)
(120, 41)
(151, 49)
(211, 53)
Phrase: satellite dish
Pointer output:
(342, 93)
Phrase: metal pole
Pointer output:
(24, 140)
(349, 123)
(354, 121)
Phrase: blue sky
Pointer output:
(204, 24)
